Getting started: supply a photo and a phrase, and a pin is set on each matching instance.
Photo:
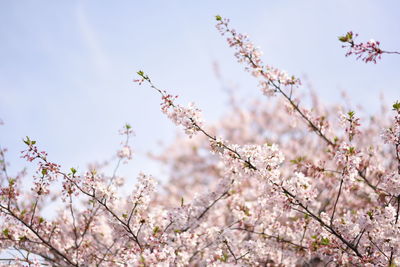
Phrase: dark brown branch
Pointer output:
(277, 238)
(230, 251)
(380, 250)
(336, 201)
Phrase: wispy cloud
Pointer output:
(89, 36)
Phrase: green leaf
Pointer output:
(246, 211)
(396, 106)
(342, 39)
(144, 76)
(349, 36)
(298, 160)
(325, 241)
(156, 230)
(218, 17)
(73, 171)
(346, 38)
(370, 214)
(224, 257)
(6, 232)
(27, 141)
(142, 259)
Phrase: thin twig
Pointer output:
(337, 200)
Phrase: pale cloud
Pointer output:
(90, 39)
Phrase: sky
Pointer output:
(66, 67)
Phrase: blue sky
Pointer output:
(66, 67)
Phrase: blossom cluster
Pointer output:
(368, 52)
(347, 157)
(391, 135)
(188, 117)
(351, 124)
(246, 52)
(126, 152)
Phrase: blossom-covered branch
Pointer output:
(368, 52)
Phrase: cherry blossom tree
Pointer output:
(273, 183)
